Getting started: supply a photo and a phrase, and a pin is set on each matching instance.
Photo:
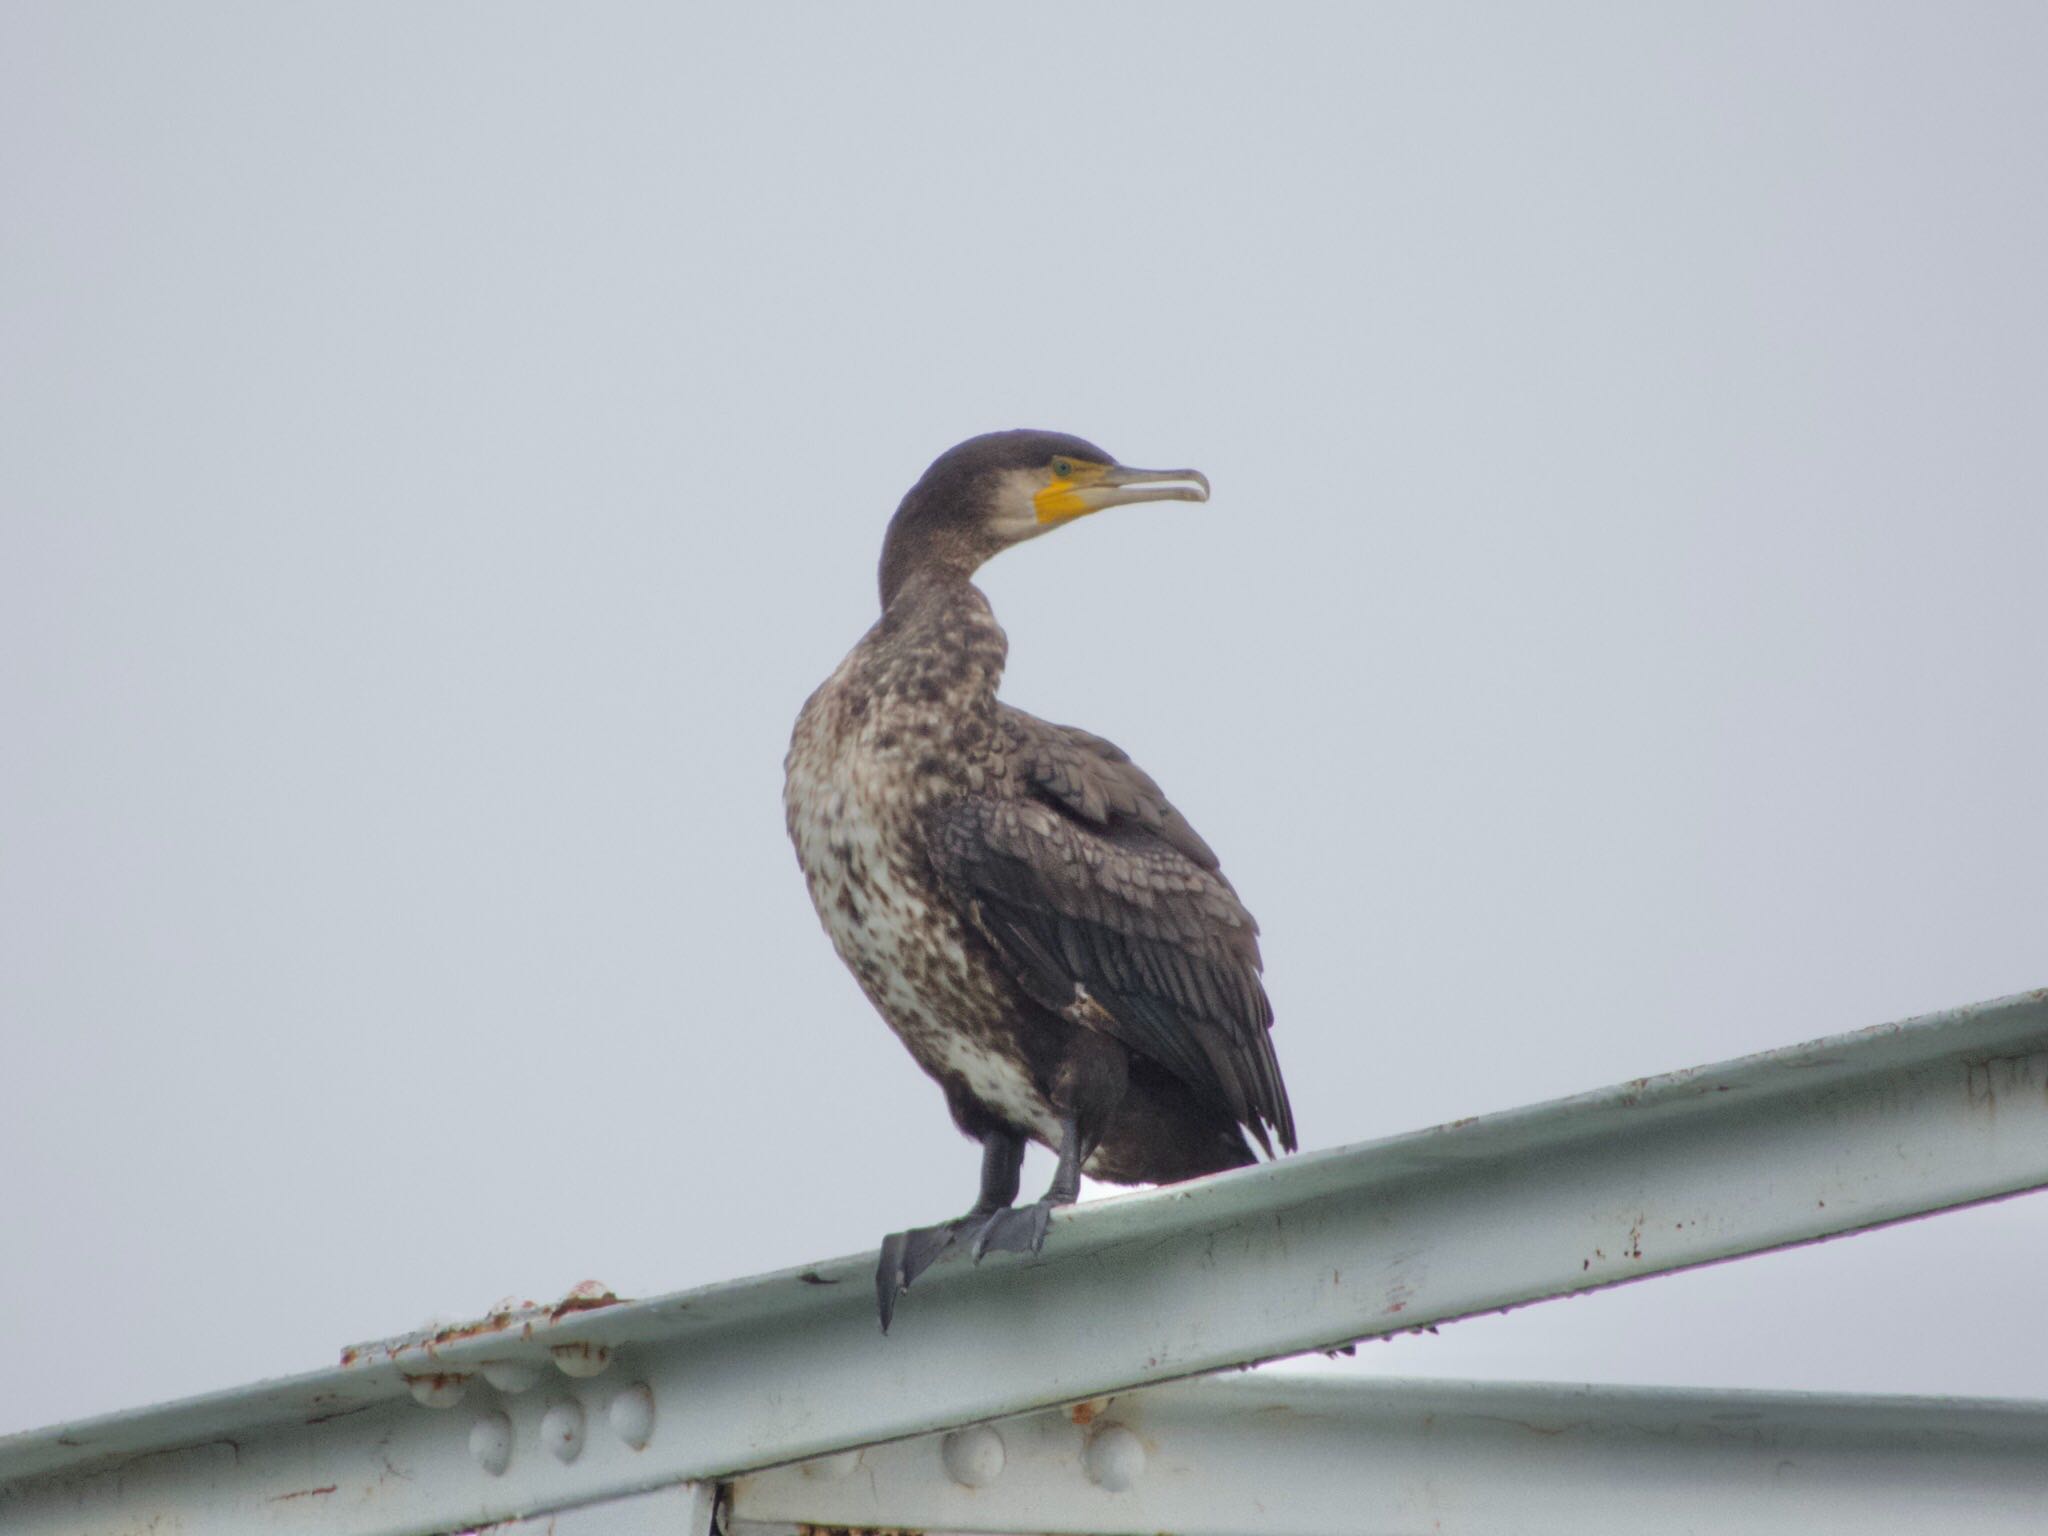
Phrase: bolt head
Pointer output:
(561, 1430)
(490, 1442)
(973, 1456)
(1114, 1458)
(632, 1415)
(438, 1391)
(582, 1360)
(511, 1376)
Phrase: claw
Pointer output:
(905, 1256)
(889, 1281)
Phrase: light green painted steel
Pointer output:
(1647, 1177)
(1284, 1456)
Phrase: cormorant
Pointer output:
(1054, 944)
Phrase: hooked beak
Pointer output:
(1093, 488)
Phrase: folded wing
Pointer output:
(1112, 911)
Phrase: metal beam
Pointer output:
(1278, 1456)
(683, 1510)
(1654, 1175)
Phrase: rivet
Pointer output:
(490, 1442)
(561, 1429)
(830, 1469)
(582, 1359)
(437, 1391)
(511, 1375)
(1114, 1458)
(973, 1456)
(585, 1294)
(632, 1415)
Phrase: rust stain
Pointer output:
(1994, 1075)
(340, 1413)
(119, 1465)
(511, 1317)
(587, 1297)
(303, 1493)
(1086, 1413)
(438, 1381)
(497, 1322)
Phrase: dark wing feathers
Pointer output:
(1097, 781)
(1097, 882)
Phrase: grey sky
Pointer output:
(441, 447)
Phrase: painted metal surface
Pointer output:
(684, 1510)
(384, 1469)
(1271, 1455)
(474, 1424)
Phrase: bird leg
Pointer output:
(1021, 1229)
(906, 1255)
(1087, 1090)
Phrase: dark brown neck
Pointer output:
(927, 541)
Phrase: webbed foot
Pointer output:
(1018, 1229)
(906, 1255)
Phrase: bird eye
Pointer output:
(1063, 467)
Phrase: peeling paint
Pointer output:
(586, 1297)
(509, 1318)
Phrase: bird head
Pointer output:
(981, 496)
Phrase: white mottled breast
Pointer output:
(851, 804)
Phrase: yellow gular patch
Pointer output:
(1059, 502)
